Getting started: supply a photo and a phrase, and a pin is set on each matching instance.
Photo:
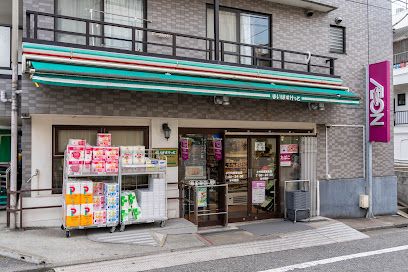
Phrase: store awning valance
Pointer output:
(88, 68)
(109, 78)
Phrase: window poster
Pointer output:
(258, 191)
(202, 197)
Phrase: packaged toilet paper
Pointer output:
(74, 167)
(72, 192)
(99, 189)
(104, 139)
(86, 192)
(72, 215)
(99, 217)
(77, 142)
(98, 167)
(75, 153)
(86, 218)
(99, 202)
(139, 155)
(98, 153)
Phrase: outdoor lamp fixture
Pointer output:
(221, 100)
(166, 131)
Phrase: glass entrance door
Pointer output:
(236, 176)
(263, 177)
(251, 174)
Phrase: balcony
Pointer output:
(401, 118)
(43, 28)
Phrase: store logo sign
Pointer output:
(379, 77)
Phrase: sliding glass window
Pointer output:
(123, 12)
(246, 28)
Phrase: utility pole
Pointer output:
(14, 111)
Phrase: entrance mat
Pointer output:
(275, 227)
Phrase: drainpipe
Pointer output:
(217, 29)
(14, 111)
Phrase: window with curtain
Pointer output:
(120, 136)
(124, 12)
(246, 28)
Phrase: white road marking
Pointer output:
(337, 259)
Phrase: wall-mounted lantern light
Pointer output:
(166, 131)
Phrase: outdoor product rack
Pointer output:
(297, 200)
(143, 169)
(90, 175)
(135, 170)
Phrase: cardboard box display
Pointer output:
(72, 192)
(75, 153)
(112, 167)
(98, 167)
(86, 218)
(86, 192)
(98, 188)
(77, 142)
(88, 153)
(72, 215)
(104, 139)
(98, 153)
(112, 153)
(74, 167)
(99, 217)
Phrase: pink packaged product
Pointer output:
(99, 217)
(74, 168)
(98, 153)
(75, 153)
(88, 153)
(112, 153)
(104, 139)
(112, 166)
(98, 188)
(98, 167)
(98, 203)
(86, 168)
(76, 142)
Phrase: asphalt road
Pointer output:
(279, 261)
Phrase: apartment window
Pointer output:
(337, 39)
(237, 26)
(124, 12)
(401, 99)
(61, 135)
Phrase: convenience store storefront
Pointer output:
(254, 163)
(251, 158)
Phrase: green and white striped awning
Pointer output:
(87, 76)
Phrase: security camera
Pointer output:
(309, 13)
(338, 20)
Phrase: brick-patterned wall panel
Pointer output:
(291, 30)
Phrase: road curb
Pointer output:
(396, 226)
(9, 253)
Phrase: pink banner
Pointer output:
(217, 145)
(184, 148)
(379, 76)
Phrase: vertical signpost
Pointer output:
(378, 107)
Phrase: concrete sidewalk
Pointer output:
(379, 222)
(48, 247)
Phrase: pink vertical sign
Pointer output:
(217, 145)
(379, 76)
(184, 148)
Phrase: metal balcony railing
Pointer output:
(401, 117)
(49, 28)
(401, 57)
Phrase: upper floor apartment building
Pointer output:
(261, 75)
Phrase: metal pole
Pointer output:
(369, 149)
(14, 132)
(217, 29)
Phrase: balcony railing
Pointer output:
(401, 57)
(48, 28)
(401, 118)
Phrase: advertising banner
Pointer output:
(379, 76)
(258, 191)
